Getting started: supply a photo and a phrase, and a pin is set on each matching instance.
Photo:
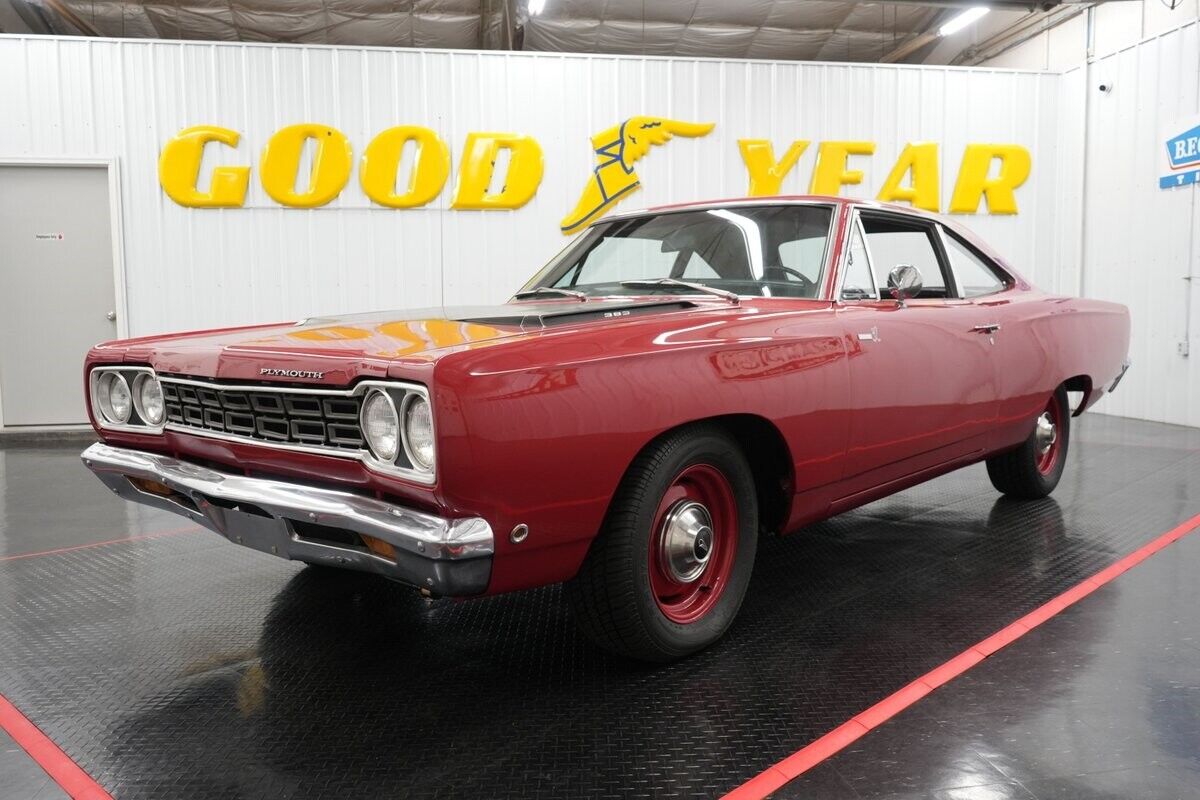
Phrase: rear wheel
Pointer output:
(1034, 469)
(668, 572)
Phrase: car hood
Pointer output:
(337, 350)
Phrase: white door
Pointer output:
(56, 288)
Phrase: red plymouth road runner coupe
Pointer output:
(674, 384)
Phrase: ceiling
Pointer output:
(770, 29)
(822, 30)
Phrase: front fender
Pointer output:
(541, 432)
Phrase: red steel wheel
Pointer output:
(693, 543)
(1033, 468)
(1048, 442)
(667, 573)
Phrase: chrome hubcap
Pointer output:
(687, 540)
(1046, 434)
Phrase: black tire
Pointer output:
(612, 596)
(1023, 473)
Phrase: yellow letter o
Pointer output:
(381, 160)
(331, 165)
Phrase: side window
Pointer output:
(858, 283)
(975, 277)
(893, 242)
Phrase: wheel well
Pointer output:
(1080, 383)
(770, 462)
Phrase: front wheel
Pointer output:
(667, 574)
(1033, 470)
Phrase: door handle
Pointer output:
(111, 316)
(991, 327)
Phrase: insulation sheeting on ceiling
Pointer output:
(763, 29)
(453, 24)
(767, 29)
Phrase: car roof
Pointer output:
(822, 199)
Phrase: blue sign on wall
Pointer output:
(1183, 158)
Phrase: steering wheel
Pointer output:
(799, 276)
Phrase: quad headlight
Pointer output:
(381, 425)
(128, 398)
(397, 425)
(418, 432)
(114, 398)
(148, 399)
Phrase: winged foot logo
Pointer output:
(617, 150)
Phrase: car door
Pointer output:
(922, 383)
(1019, 354)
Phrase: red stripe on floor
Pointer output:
(141, 537)
(839, 738)
(58, 765)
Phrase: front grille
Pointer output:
(272, 416)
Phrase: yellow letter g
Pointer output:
(179, 170)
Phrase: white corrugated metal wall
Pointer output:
(190, 268)
(1141, 243)
(1125, 238)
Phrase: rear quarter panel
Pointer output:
(1047, 340)
(1093, 340)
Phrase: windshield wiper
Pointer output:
(580, 296)
(652, 283)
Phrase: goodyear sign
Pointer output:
(986, 170)
(1182, 164)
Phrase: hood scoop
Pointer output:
(530, 317)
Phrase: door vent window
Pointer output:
(858, 285)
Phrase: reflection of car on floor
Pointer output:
(672, 384)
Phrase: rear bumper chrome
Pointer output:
(1124, 368)
(319, 526)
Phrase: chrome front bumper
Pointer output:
(320, 526)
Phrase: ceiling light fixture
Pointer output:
(536, 7)
(952, 26)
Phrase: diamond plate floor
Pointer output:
(179, 666)
(1101, 702)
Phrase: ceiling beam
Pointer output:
(1010, 5)
(60, 8)
(1018, 34)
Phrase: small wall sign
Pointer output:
(48, 237)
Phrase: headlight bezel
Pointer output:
(404, 464)
(99, 381)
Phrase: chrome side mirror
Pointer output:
(904, 282)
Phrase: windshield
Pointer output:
(759, 251)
